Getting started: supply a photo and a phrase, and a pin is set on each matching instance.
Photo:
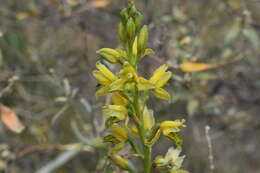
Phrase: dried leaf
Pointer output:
(9, 118)
(194, 67)
(99, 3)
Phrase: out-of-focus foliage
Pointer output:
(50, 47)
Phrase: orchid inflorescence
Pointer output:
(128, 119)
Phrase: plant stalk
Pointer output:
(141, 130)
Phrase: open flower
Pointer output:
(170, 129)
(128, 79)
(119, 99)
(105, 77)
(159, 79)
(114, 113)
(171, 161)
(118, 136)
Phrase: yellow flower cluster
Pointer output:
(128, 119)
(128, 79)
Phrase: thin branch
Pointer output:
(211, 158)
(11, 81)
(37, 148)
(58, 162)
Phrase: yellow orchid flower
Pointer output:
(170, 129)
(128, 78)
(116, 111)
(119, 132)
(118, 136)
(159, 79)
(118, 99)
(105, 77)
(172, 160)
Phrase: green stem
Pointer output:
(130, 170)
(141, 130)
(134, 146)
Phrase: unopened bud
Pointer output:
(143, 38)
(121, 32)
(132, 10)
(130, 27)
(108, 54)
(124, 15)
(119, 161)
(138, 20)
(134, 49)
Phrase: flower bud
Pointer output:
(138, 20)
(124, 15)
(111, 55)
(130, 27)
(143, 38)
(132, 10)
(119, 161)
(134, 49)
(121, 32)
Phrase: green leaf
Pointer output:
(252, 36)
(192, 107)
(231, 36)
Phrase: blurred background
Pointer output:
(47, 92)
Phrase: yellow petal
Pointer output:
(194, 67)
(148, 119)
(119, 132)
(102, 91)
(118, 111)
(144, 84)
(173, 124)
(164, 79)
(118, 147)
(161, 94)
(111, 55)
(117, 85)
(105, 71)
(101, 78)
(158, 73)
(118, 99)
(160, 161)
(119, 161)
(112, 139)
(174, 137)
